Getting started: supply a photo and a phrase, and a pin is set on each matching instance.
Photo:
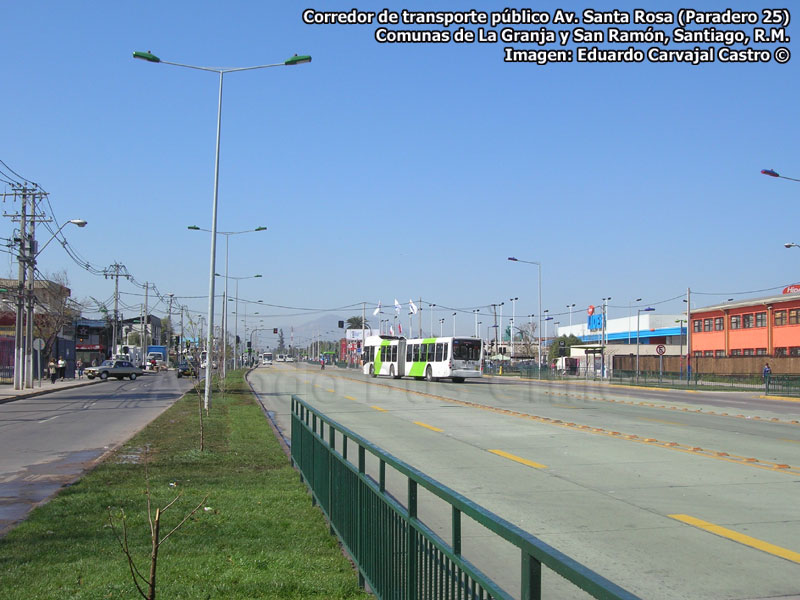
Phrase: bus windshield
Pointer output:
(466, 349)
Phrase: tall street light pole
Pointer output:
(569, 308)
(639, 311)
(539, 265)
(630, 304)
(149, 57)
(511, 327)
(236, 323)
(604, 338)
(227, 235)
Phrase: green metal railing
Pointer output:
(780, 385)
(396, 554)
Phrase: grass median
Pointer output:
(257, 535)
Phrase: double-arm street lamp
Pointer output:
(149, 57)
(539, 265)
(227, 235)
(236, 323)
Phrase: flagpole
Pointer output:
(419, 318)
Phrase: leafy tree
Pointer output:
(569, 340)
(356, 323)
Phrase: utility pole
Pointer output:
(171, 331)
(19, 364)
(115, 271)
(144, 322)
(26, 258)
(180, 340)
(31, 248)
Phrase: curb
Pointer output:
(44, 391)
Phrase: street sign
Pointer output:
(38, 344)
(661, 349)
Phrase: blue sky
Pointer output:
(395, 171)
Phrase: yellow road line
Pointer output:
(426, 426)
(518, 459)
(739, 537)
(350, 398)
(378, 408)
(697, 451)
(331, 391)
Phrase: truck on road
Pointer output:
(157, 358)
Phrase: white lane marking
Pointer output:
(49, 419)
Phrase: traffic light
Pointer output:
(275, 331)
(238, 341)
(249, 345)
(341, 324)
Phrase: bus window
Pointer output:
(431, 350)
(466, 349)
(415, 352)
(439, 352)
(445, 352)
(394, 353)
(408, 352)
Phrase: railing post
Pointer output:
(531, 577)
(382, 476)
(456, 532)
(411, 543)
(362, 467)
(331, 459)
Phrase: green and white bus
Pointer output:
(434, 358)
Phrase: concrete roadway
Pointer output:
(668, 494)
(49, 440)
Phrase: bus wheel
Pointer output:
(429, 374)
(372, 371)
(458, 380)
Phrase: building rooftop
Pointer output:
(750, 302)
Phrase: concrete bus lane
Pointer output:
(661, 520)
(48, 441)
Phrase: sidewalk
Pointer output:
(9, 394)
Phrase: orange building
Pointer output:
(758, 327)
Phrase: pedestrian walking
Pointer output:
(51, 369)
(62, 367)
(79, 367)
(767, 374)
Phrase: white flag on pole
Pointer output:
(412, 308)
(377, 310)
(396, 306)
(391, 330)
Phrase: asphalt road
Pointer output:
(668, 494)
(48, 441)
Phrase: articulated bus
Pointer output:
(433, 358)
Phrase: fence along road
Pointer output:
(665, 503)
